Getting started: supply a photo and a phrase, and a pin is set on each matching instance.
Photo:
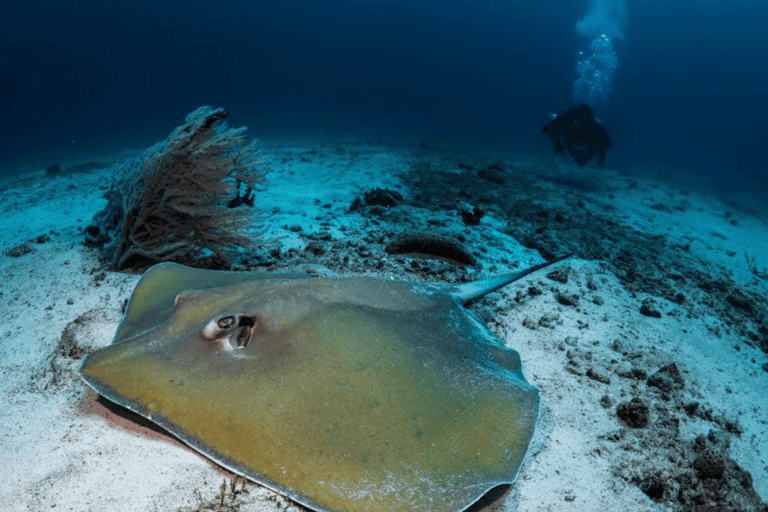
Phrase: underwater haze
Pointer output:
(682, 87)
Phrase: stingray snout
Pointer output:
(230, 331)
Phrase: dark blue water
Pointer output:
(688, 99)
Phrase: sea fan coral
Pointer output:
(181, 200)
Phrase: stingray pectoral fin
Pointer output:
(474, 290)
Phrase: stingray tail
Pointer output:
(470, 291)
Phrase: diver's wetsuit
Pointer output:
(580, 133)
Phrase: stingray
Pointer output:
(349, 394)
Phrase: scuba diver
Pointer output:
(580, 133)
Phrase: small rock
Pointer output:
(691, 408)
(734, 427)
(634, 413)
(549, 321)
(53, 169)
(377, 197)
(559, 275)
(533, 291)
(18, 250)
(649, 309)
(472, 218)
(599, 377)
(315, 248)
(677, 298)
(493, 175)
(661, 207)
(653, 487)
(738, 299)
(709, 464)
(566, 300)
(667, 379)
(633, 373)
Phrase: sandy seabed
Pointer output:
(645, 346)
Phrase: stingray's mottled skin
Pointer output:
(354, 394)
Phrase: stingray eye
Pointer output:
(218, 327)
(226, 322)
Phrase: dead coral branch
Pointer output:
(175, 202)
(761, 273)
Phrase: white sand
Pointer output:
(63, 450)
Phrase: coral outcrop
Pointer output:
(181, 200)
